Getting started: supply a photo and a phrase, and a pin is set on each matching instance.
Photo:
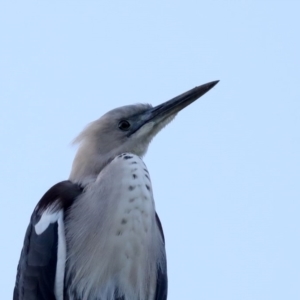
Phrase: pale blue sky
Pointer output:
(225, 173)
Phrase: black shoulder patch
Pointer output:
(60, 196)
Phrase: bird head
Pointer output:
(126, 129)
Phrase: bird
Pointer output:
(97, 236)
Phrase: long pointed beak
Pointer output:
(176, 104)
(173, 106)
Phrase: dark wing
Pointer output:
(37, 266)
(162, 276)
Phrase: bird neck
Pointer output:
(87, 165)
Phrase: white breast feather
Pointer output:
(119, 245)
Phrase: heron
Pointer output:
(97, 236)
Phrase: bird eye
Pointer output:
(124, 125)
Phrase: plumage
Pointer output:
(129, 238)
(37, 266)
(97, 236)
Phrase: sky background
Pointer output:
(225, 172)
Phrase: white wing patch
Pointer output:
(61, 258)
(50, 217)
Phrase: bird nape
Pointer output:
(97, 236)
